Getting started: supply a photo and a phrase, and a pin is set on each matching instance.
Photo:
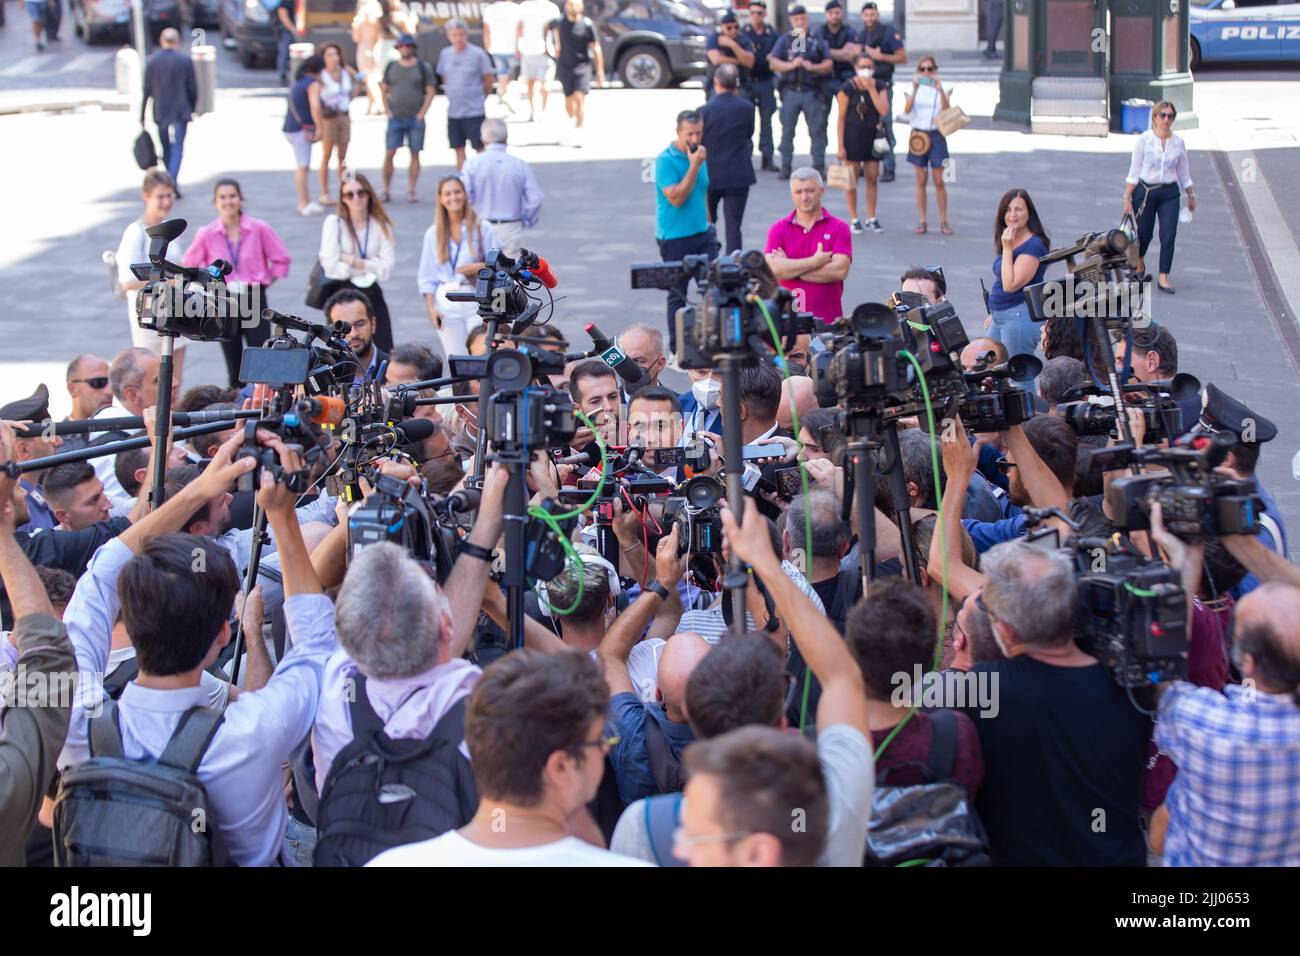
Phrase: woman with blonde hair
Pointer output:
(1159, 169)
(336, 82)
(158, 193)
(357, 250)
(455, 247)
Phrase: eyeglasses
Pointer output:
(685, 841)
(926, 69)
(355, 193)
(92, 382)
(1165, 114)
(1004, 466)
(606, 744)
(979, 603)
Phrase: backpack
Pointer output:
(381, 793)
(111, 811)
(930, 824)
(670, 776)
(662, 817)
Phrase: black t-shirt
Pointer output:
(576, 37)
(1063, 761)
(836, 41)
(288, 7)
(69, 551)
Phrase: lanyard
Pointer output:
(233, 250)
(365, 240)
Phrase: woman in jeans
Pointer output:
(1159, 167)
(336, 83)
(1020, 242)
(257, 256)
(453, 253)
(356, 249)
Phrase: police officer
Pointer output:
(31, 443)
(762, 84)
(803, 65)
(1220, 413)
(729, 45)
(843, 45)
(884, 45)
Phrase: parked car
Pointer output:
(1248, 30)
(646, 43)
(93, 20)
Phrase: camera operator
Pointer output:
(928, 282)
(417, 363)
(594, 609)
(1236, 749)
(982, 352)
(178, 619)
(1223, 413)
(1058, 376)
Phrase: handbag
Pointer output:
(842, 176)
(146, 156)
(316, 279)
(918, 144)
(951, 120)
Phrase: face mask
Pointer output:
(864, 73)
(706, 392)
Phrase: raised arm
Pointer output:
(616, 646)
(960, 460)
(469, 575)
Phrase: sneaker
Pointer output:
(875, 226)
(40, 47)
(311, 209)
(855, 227)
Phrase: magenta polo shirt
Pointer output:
(822, 299)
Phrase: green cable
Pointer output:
(575, 563)
(803, 481)
(938, 530)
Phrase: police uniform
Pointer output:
(35, 409)
(887, 40)
(841, 73)
(1220, 412)
(762, 85)
(802, 92)
(745, 75)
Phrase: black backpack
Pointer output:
(111, 811)
(381, 793)
(927, 824)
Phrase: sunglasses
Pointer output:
(92, 382)
(1165, 114)
(355, 194)
(926, 69)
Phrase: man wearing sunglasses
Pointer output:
(884, 45)
(87, 382)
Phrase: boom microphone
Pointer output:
(614, 357)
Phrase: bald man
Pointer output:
(170, 82)
(799, 391)
(680, 654)
(976, 354)
(644, 345)
(1234, 800)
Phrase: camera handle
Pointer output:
(480, 444)
(733, 452)
(162, 418)
(516, 524)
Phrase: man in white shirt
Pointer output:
(133, 376)
(502, 188)
(536, 731)
(535, 17)
(500, 31)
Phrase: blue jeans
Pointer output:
(813, 108)
(172, 136)
(1016, 330)
(282, 40)
(299, 842)
(763, 93)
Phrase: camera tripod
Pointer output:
(868, 434)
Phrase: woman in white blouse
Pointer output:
(158, 193)
(357, 250)
(453, 253)
(1158, 169)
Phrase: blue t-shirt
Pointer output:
(999, 300)
(298, 113)
(986, 534)
(691, 217)
(462, 79)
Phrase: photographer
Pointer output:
(178, 619)
(1064, 758)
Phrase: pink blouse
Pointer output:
(258, 257)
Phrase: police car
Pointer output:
(1260, 30)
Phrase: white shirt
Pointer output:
(377, 252)
(106, 466)
(535, 15)
(134, 249)
(1157, 162)
(452, 849)
(460, 252)
(926, 107)
(337, 95)
(501, 19)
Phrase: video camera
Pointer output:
(1197, 501)
(193, 303)
(1092, 412)
(1101, 282)
(730, 317)
(501, 288)
(697, 517)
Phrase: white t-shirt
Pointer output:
(452, 849)
(926, 107)
(501, 19)
(134, 248)
(535, 16)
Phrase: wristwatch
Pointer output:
(654, 587)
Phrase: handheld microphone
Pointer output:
(590, 458)
(323, 409)
(543, 272)
(416, 430)
(464, 499)
(614, 357)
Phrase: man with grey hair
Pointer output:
(830, 543)
(1058, 376)
(810, 250)
(502, 188)
(1065, 756)
(468, 76)
(400, 668)
(644, 345)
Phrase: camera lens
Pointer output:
(509, 370)
(703, 492)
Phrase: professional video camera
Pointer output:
(697, 517)
(523, 416)
(1196, 500)
(1092, 409)
(400, 513)
(193, 303)
(730, 317)
(501, 288)
(1101, 282)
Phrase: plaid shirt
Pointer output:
(1236, 799)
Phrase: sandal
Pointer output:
(921, 229)
(945, 229)
(412, 196)
(384, 197)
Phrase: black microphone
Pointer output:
(626, 369)
(590, 458)
(411, 431)
(463, 499)
(635, 452)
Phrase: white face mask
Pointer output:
(864, 73)
(706, 392)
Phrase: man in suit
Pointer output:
(170, 82)
(729, 138)
(701, 405)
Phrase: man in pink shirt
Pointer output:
(810, 250)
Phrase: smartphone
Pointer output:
(694, 147)
(788, 483)
(926, 81)
(757, 452)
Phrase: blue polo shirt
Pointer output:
(691, 217)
